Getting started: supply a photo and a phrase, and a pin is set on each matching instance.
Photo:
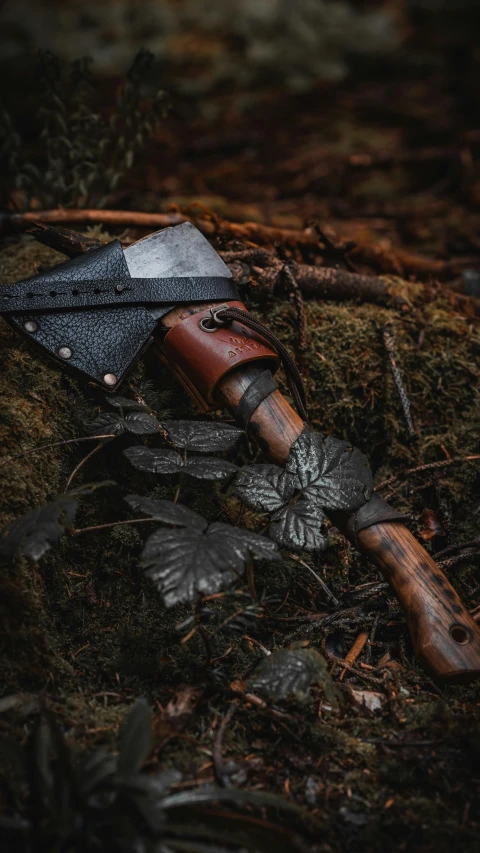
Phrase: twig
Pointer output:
(475, 613)
(388, 340)
(459, 546)
(70, 243)
(54, 444)
(354, 652)
(221, 767)
(77, 530)
(352, 669)
(82, 463)
(428, 467)
(251, 581)
(300, 307)
(450, 562)
(209, 226)
(319, 579)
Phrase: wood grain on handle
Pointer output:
(446, 640)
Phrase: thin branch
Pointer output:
(82, 463)
(430, 466)
(319, 579)
(77, 530)
(221, 767)
(387, 261)
(54, 444)
(355, 652)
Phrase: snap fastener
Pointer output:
(110, 379)
(30, 326)
(65, 352)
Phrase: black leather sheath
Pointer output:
(89, 312)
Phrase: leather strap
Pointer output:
(256, 393)
(89, 314)
(200, 357)
(374, 511)
(57, 289)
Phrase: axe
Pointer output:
(97, 313)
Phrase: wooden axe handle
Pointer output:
(446, 640)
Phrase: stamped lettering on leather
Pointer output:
(240, 343)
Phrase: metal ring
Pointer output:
(204, 327)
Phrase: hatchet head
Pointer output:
(179, 251)
(97, 312)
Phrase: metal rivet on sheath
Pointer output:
(65, 352)
(119, 288)
(30, 326)
(110, 379)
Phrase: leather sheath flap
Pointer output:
(89, 314)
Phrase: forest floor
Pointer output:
(379, 179)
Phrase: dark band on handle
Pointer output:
(375, 511)
(255, 394)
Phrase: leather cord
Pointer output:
(223, 315)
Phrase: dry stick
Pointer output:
(429, 466)
(55, 444)
(265, 270)
(218, 762)
(388, 340)
(354, 652)
(397, 261)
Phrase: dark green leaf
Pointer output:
(109, 423)
(170, 462)
(265, 487)
(203, 436)
(288, 672)
(141, 424)
(136, 738)
(209, 468)
(167, 512)
(33, 533)
(299, 527)
(126, 404)
(154, 461)
(187, 563)
(331, 473)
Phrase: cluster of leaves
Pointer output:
(188, 557)
(101, 801)
(83, 155)
(320, 474)
(195, 557)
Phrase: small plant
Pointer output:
(100, 801)
(83, 155)
(187, 557)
